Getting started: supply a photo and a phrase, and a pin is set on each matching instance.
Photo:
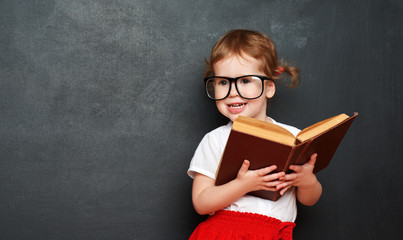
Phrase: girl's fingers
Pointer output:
(266, 170)
(289, 177)
(296, 168)
(284, 190)
(313, 159)
(273, 176)
(284, 185)
(244, 168)
(272, 183)
(272, 189)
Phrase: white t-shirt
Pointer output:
(206, 159)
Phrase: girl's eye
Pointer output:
(244, 81)
(222, 82)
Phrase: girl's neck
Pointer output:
(267, 119)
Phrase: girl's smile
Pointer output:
(236, 108)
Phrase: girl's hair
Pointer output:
(257, 45)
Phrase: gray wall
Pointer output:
(102, 107)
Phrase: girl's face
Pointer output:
(234, 105)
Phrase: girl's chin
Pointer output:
(232, 117)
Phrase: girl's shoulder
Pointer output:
(222, 129)
(219, 135)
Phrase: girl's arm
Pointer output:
(309, 188)
(208, 198)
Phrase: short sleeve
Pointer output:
(208, 154)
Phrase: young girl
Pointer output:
(240, 77)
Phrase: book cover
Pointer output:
(262, 152)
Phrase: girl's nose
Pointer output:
(233, 92)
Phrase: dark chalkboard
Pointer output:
(102, 107)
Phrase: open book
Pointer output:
(265, 144)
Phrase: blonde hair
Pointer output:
(257, 45)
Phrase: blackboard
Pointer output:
(102, 107)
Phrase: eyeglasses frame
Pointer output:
(233, 80)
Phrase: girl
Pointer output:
(240, 76)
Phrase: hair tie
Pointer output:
(279, 70)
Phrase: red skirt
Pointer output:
(237, 225)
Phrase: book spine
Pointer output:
(289, 160)
(298, 159)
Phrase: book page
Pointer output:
(320, 127)
(264, 130)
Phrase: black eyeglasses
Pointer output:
(248, 87)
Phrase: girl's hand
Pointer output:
(261, 179)
(302, 177)
(208, 198)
